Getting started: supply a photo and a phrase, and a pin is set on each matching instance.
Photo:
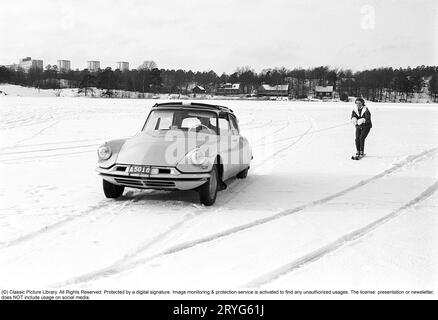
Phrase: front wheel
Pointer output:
(208, 191)
(112, 191)
(243, 174)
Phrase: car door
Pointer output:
(244, 154)
(228, 147)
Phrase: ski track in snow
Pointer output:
(311, 132)
(345, 240)
(124, 264)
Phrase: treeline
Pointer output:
(381, 84)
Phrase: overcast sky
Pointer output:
(221, 35)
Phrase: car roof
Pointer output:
(192, 105)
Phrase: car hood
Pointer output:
(160, 148)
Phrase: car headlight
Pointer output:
(198, 158)
(104, 152)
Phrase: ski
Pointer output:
(357, 157)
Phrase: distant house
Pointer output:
(229, 89)
(198, 90)
(266, 90)
(324, 92)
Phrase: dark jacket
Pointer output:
(364, 113)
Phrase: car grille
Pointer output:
(130, 182)
(159, 183)
(146, 182)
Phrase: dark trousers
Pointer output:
(361, 135)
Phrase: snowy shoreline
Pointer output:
(7, 90)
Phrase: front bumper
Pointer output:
(161, 179)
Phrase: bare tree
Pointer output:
(247, 78)
(148, 65)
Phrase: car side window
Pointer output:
(234, 126)
(163, 121)
(224, 125)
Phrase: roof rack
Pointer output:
(194, 104)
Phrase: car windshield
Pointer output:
(185, 120)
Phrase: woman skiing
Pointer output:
(361, 118)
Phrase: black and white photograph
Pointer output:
(219, 150)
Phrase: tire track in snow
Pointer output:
(47, 144)
(48, 150)
(125, 201)
(124, 265)
(34, 234)
(26, 122)
(39, 132)
(91, 147)
(339, 243)
(46, 156)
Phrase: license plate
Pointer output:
(140, 169)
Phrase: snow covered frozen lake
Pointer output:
(306, 217)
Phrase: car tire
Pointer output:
(243, 174)
(112, 191)
(208, 191)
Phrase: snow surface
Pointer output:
(306, 218)
(19, 91)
